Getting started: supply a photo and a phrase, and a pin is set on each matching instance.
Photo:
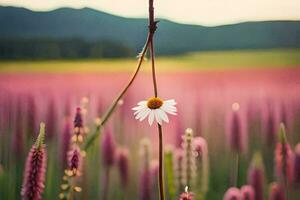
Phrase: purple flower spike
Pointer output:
(34, 177)
(248, 192)
(123, 165)
(78, 122)
(235, 130)
(276, 192)
(108, 149)
(75, 160)
(284, 157)
(256, 176)
(233, 194)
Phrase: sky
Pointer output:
(203, 12)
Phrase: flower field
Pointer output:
(225, 134)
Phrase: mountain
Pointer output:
(171, 38)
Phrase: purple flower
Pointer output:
(269, 123)
(276, 192)
(233, 194)
(284, 157)
(75, 160)
(256, 176)
(34, 177)
(78, 122)
(235, 130)
(123, 165)
(248, 192)
(108, 149)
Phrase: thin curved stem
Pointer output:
(111, 109)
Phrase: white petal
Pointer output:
(170, 102)
(157, 116)
(142, 103)
(151, 117)
(170, 110)
(136, 112)
(163, 115)
(140, 113)
(139, 107)
(145, 114)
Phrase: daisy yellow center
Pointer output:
(154, 103)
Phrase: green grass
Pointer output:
(192, 61)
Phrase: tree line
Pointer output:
(46, 48)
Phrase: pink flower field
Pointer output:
(236, 112)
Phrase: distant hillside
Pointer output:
(171, 38)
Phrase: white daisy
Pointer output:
(155, 108)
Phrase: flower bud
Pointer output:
(233, 194)
(256, 176)
(248, 192)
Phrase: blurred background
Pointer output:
(210, 54)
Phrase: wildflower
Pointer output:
(186, 195)
(75, 160)
(108, 149)
(276, 192)
(233, 194)
(123, 165)
(34, 178)
(155, 108)
(269, 124)
(235, 130)
(78, 126)
(248, 192)
(283, 157)
(256, 176)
